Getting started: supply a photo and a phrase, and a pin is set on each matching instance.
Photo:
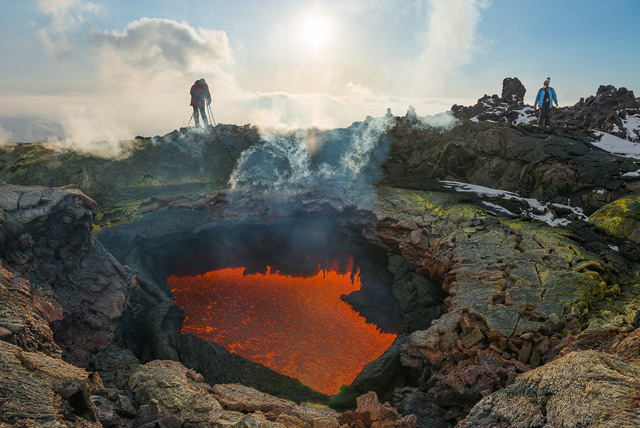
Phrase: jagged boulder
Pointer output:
(38, 390)
(241, 398)
(169, 392)
(370, 413)
(513, 90)
(610, 110)
(508, 108)
(25, 316)
(621, 217)
(580, 389)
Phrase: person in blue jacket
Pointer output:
(545, 96)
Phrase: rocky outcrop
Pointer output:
(370, 413)
(557, 166)
(579, 389)
(183, 162)
(621, 217)
(38, 390)
(607, 111)
(241, 398)
(509, 296)
(509, 107)
(74, 283)
(25, 316)
(612, 110)
(171, 395)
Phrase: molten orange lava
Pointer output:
(296, 326)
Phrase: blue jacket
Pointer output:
(540, 97)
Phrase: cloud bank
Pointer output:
(67, 16)
(146, 69)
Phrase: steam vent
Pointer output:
(467, 269)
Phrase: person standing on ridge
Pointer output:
(199, 94)
(545, 96)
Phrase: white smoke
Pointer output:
(362, 145)
(441, 121)
(284, 160)
(449, 41)
(95, 131)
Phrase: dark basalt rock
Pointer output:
(513, 89)
(606, 111)
(77, 285)
(552, 166)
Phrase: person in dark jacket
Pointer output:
(545, 96)
(199, 94)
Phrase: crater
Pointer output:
(306, 297)
(298, 324)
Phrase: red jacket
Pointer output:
(200, 93)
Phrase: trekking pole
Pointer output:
(190, 120)
(211, 113)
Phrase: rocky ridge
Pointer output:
(612, 110)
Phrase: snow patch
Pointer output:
(632, 125)
(614, 248)
(616, 145)
(526, 115)
(498, 208)
(537, 210)
(632, 174)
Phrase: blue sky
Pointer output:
(67, 57)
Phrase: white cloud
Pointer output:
(159, 44)
(146, 69)
(67, 16)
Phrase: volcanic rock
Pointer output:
(241, 398)
(114, 364)
(166, 386)
(621, 217)
(579, 389)
(24, 318)
(513, 89)
(599, 111)
(77, 285)
(508, 108)
(38, 390)
(412, 401)
(371, 413)
(515, 288)
(612, 110)
(508, 294)
(552, 166)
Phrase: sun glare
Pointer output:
(316, 32)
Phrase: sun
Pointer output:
(316, 31)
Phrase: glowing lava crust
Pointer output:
(297, 326)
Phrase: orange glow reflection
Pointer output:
(296, 326)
